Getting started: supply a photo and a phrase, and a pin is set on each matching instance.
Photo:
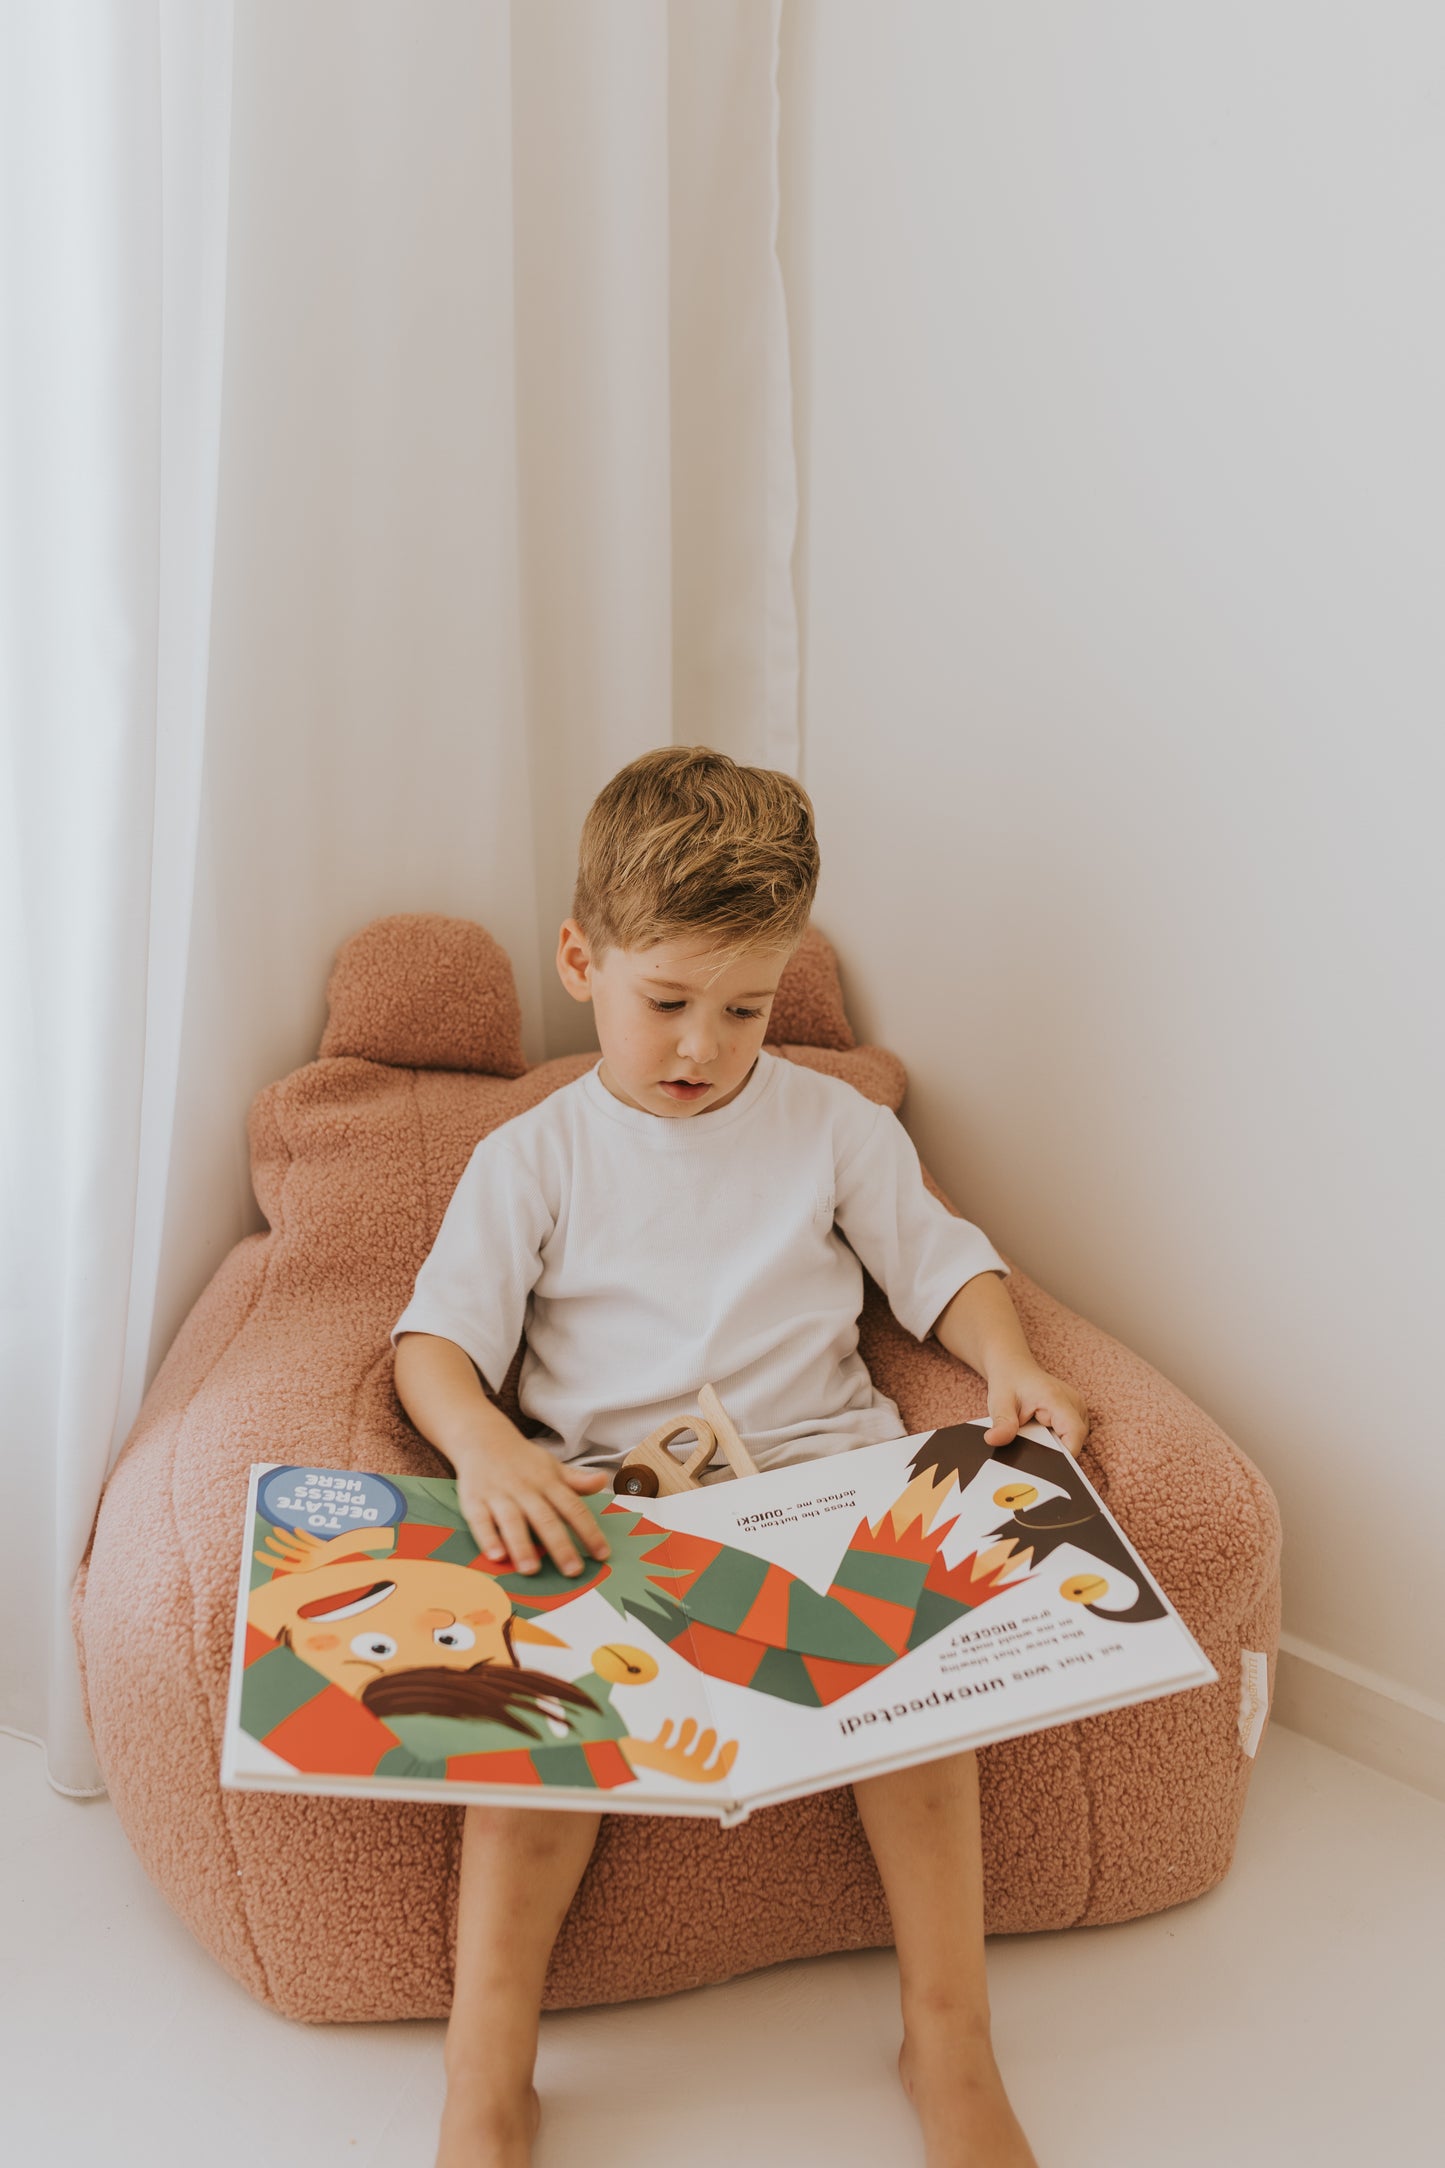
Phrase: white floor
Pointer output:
(1294, 2015)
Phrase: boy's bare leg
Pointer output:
(520, 1868)
(923, 1825)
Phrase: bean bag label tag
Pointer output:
(1253, 1698)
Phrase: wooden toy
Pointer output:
(651, 1470)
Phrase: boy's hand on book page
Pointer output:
(1030, 1395)
(507, 1488)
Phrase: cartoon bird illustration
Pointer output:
(1035, 1531)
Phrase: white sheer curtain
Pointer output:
(113, 151)
(397, 438)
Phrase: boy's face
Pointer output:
(672, 1043)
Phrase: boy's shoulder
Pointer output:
(814, 1095)
(548, 1121)
(806, 1082)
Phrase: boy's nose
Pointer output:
(698, 1045)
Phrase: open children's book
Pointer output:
(744, 1642)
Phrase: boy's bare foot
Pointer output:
(486, 2126)
(950, 2075)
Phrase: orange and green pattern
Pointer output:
(739, 1617)
(316, 1726)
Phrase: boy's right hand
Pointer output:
(509, 1487)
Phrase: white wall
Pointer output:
(1118, 339)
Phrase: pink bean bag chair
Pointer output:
(331, 1909)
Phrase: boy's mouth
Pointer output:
(680, 1088)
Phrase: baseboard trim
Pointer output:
(1358, 1712)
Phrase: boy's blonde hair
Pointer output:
(685, 843)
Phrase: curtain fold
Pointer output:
(115, 168)
(397, 439)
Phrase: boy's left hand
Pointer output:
(1032, 1395)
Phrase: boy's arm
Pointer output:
(981, 1327)
(915, 1247)
(507, 1485)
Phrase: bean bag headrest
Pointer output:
(423, 991)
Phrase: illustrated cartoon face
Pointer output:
(356, 1619)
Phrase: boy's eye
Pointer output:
(666, 1006)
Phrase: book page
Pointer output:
(885, 1606)
(375, 1655)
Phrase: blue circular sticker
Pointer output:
(327, 1503)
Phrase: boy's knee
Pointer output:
(531, 1832)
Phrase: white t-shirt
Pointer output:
(645, 1257)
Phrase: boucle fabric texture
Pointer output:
(333, 1910)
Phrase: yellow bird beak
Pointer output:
(523, 1629)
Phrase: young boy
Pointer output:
(695, 1209)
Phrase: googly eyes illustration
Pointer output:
(374, 1647)
(455, 1636)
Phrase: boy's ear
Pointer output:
(574, 960)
